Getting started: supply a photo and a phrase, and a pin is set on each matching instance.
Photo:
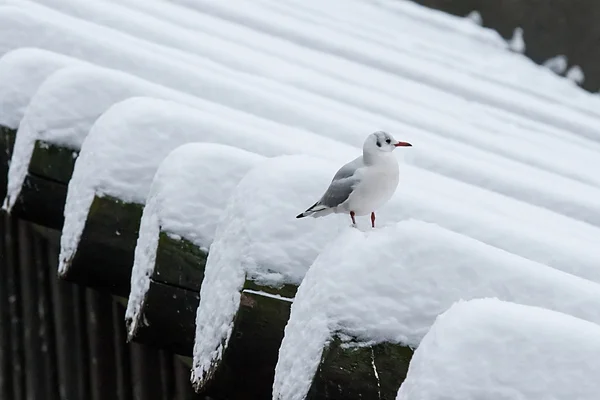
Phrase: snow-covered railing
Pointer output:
(53, 126)
(254, 268)
(181, 212)
(22, 71)
(389, 285)
(521, 351)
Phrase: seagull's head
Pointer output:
(382, 141)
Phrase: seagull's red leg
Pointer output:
(352, 214)
(373, 219)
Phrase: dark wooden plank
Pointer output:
(41, 201)
(71, 354)
(169, 317)
(123, 365)
(104, 257)
(45, 315)
(80, 311)
(247, 368)
(5, 340)
(183, 387)
(179, 263)
(103, 377)
(34, 366)
(146, 376)
(15, 308)
(7, 142)
(53, 162)
(360, 372)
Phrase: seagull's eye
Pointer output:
(388, 141)
(378, 143)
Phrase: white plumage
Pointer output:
(365, 183)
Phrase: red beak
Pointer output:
(403, 144)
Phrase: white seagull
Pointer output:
(364, 184)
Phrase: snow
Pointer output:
(64, 108)
(126, 144)
(475, 17)
(259, 238)
(22, 71)
(511, 352)
(557, 64)
(390, 284)
(185, 199)
(517, 43)
(575, 74)
(505, 154)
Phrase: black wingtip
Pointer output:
(301, 215)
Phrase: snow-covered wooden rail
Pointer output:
(172, 160)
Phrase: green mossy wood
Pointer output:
(104, 257)
(44, 191)
(350, 371)
(172, 297)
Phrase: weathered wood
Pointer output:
(5, 340)
(15, 306)
(172, 296)
(42, 202)
(71, 352)
(7, 142)
(102, 347)
(122, 356)
(44, 190)
(53, 162)
(104, 256)
(247, 368)
(179, 262)
(352, 371)
(168, 318)
(44, 315)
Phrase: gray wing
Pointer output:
(342, 184)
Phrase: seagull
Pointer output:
(364, 184)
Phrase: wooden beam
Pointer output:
(179, 262)
(247, 367)
(168, 318)
(44, 191)
(351, 371)
(7, 142)
(104, 257)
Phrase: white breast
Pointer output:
(377, 186)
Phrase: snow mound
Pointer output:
(557, 64)
(517, 43)
(65, 107)
(127, 143)
(511, 352)
(259, 238)
(390, 284)
(475, 17)
(188, 194)
(575, 74)
(22, 71)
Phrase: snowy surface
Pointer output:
(64, 108)
(517, 43)
(259, 238)
(575, 74)
(390, 284)
(557, 64)
(22, 72)
(186, 198)
(126, 144)
(505, 155)
(507, 351)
